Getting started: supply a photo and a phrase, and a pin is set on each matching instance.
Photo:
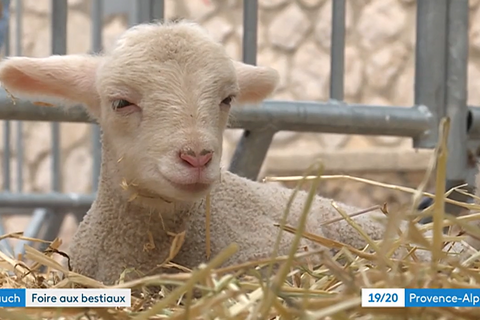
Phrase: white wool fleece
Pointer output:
(242, 212)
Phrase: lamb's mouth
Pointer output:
(136, 193)
(196, 188)
(191, 187)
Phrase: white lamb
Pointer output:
(162, 98)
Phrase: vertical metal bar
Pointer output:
(456, 89)
(97, 25)
(337, 50)
(133, 14)
(6, 155)
(456, 99)
(250, 153)
(253, 145)
(250, 26)
(59, 46)
(55, 218)
(430, 64)
(59, 26)
(459, 169)
(18, 27)
(18, 52)
(52, 223)
(4, 245)
(97, 40)
(4, 22)
(140, 12)
(157, 10)
(7, 124)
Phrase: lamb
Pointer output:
(162, 97)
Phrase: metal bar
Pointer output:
(25, 111)
(332, 118)
(337, 50)
(55, 218)
(7, 124)
(55, 167)
(59, 26)
(140, 12)
(18, 52)
(456, 88)
(78, 215)
(251, 149)
(97, 40)
(4, 23)
(456, 101)
(46, 200)
(250, 153)
(97, 25)
(52, 225)
(157, 10)
(250, 28)
(32, 230)
(59, 46)
(6, 155)
(298, 116)
(5, 29)
(18, 27)
(430, 64)
(20, 156)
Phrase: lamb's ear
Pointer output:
(256, 83)
(66, 80)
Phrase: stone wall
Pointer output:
(294, 38)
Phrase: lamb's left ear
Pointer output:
(68, 79)
(256, 83)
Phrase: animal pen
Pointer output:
(440, 90)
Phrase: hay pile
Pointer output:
(329, 291)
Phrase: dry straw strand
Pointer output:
(207, 226)
(439, 204)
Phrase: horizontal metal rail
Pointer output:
(52, 200)
(329, 117)
(334, 118)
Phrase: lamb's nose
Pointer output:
(197, 160)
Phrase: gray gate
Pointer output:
(440, 90)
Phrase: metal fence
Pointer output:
(440, 90)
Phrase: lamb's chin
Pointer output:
(192, 193)
(192, 189)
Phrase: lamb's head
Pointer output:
(162, 97)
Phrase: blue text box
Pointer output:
(442, 297)
(12, 298)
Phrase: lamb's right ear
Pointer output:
(68, 79)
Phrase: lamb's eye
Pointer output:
(227, 100)
(121, 103)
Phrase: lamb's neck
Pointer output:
(128, 203)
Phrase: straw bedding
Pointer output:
(329, 291)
